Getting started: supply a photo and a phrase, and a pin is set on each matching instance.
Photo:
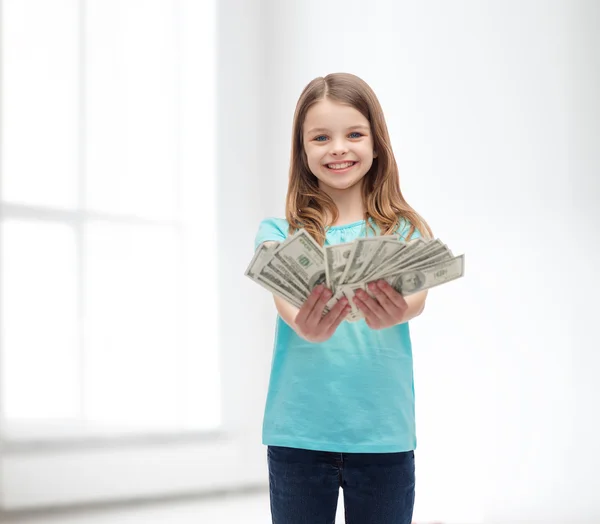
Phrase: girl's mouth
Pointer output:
(340, 167)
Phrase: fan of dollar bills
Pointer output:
(292, 268)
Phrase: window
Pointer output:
(107, 241)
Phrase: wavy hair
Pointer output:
(306, 203)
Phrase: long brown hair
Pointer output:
(306, 203)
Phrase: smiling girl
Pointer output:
(340, 405)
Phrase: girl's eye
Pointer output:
(317, 138)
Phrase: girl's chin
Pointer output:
(339, 183)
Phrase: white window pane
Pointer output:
(199, 213)
(133, 344)
(202, 395)
(39, 117)
(148, 125)
(39, 344)
(132, 102)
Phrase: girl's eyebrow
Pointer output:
(320, 129)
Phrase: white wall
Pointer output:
(246, 312)
(584, 185)
(494, 117)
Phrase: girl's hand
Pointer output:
(310, 323)
(385, 310)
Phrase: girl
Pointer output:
(340, 404)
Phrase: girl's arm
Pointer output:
(286, 311)
(416, 305)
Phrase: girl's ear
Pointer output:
(374, 154)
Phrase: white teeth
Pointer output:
(340, 166)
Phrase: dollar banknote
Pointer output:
(336, 257)
(275, 286)
(291, 269)
(410, 281)
(304, 259)
(364, 249)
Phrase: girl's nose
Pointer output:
(339, 148)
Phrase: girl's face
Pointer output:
(338, 144)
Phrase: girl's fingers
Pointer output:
(388, 304)
(316, 314)
(390, 293)
(331, 317)
(371, 306)
(310, 317)
(308, 306)
(344, 310)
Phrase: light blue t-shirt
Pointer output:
(353, 393)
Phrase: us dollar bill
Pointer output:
(364, 249)
(409, 248)
(423, 252)
(385, 250)
(410, 281)
(304, 259)
(292, 268)
(276, 266)
(336, 258)
(269, 282)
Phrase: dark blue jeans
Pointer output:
(378, 488)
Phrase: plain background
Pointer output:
(494, 117)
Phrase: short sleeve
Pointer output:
(271, 229)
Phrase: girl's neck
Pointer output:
(349, 203)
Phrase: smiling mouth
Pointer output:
(340, 166)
